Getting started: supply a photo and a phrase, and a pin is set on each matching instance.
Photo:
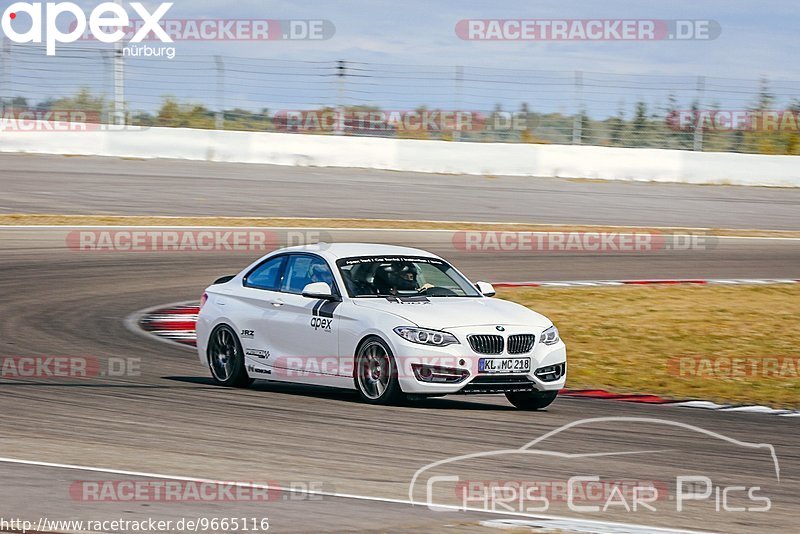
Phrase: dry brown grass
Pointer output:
(622, 339)
(299, 222)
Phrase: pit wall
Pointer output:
(564, 161)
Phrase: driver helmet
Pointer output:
(403, 275)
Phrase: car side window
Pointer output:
(303, 270)
(267, 275)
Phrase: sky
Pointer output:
(758, 38)
(412, 52)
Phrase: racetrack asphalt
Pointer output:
(170, 418)
(93, 185)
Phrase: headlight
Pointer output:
(549, 336)
(424, 336)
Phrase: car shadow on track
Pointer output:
(350, 396)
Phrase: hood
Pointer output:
(440, 313)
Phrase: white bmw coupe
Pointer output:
(391, 322)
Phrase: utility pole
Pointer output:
(119, 86)
(220, 115)
(119, 80)
(577, 121)
(459, 82)
(5, 86)
(698, 127)
(341, 73)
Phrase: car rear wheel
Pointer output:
(532, 400)
(226, 358)
(376, 373)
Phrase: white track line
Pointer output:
(559, 525)
(708, 405)
(665, 282)
(586, 525)
(424, 221)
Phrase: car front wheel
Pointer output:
(226, 358)
(532, 400)
(376, 373)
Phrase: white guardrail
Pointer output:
(565, 161)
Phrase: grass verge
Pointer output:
(622, 339)
(22, 219)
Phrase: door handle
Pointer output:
(277, 303)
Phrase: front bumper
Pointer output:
(549, 360)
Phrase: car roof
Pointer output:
(335, 251)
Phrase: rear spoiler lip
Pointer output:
(224, 279)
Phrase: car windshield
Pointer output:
(403, 276)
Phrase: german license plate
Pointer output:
(504, 365)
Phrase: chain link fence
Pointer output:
(457, 103)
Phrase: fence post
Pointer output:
(119, 83)
(577, 121)
(698, 128)
(341, 73)
(459, 80)
(220, 115)
(4, 85)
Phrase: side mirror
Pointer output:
(486, 289)
(319, 290)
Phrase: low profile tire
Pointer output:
(375, 373)
(532, 400)
(226, 358)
